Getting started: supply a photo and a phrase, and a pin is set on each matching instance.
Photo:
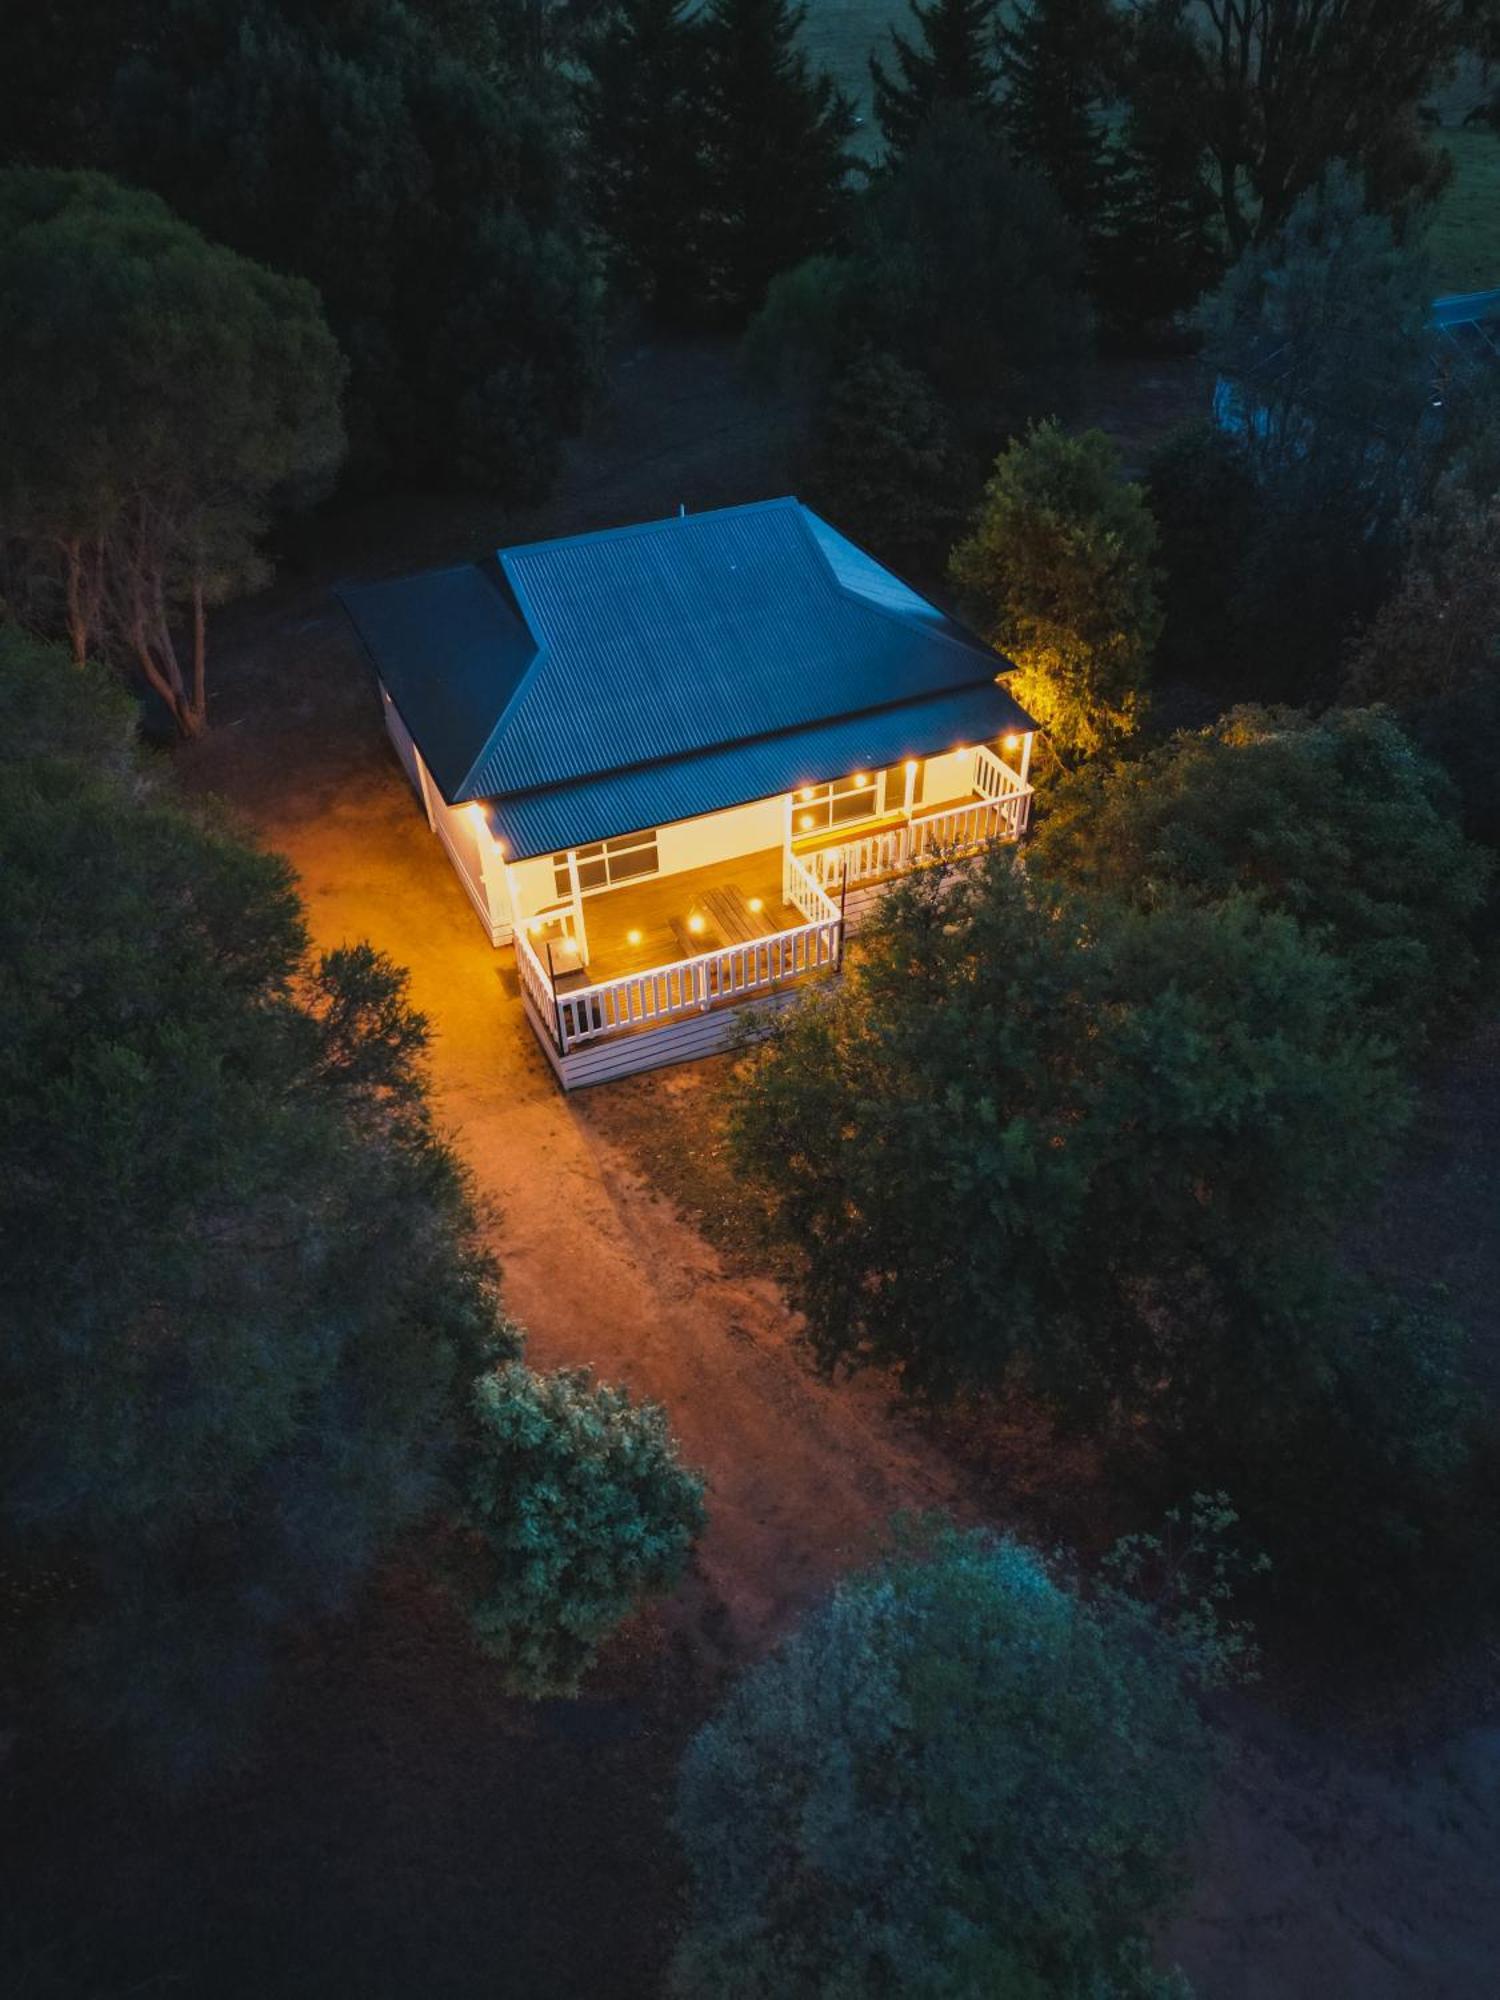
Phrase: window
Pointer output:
(607, 862)
(816, 808)
(865, 795)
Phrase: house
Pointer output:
(672, 763)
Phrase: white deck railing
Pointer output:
(667, 993)
(1000, 811)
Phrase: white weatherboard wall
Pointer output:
(721, 836)
(712, 840)
(471, 848)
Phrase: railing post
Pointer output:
(562, 1046)
(838, 937)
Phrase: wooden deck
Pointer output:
(665, 918)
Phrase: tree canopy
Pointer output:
(1339, 822)
(241, 1278)
(159, 396)
(1057, 59)
(246, 1295)
(961, 270)
(442, 236)
(964, 270)
(1320, 337)
(643, 149)
(884, 464)
(1278, 90)
(957, 1777)
(1058, 570)
(776, 136)
(1125, 1137)
(949, 65)
(1438, 634)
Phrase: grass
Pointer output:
(1465, 240)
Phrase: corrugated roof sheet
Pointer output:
(680, 665)
(562, 816)
(682, 635)
(451, 652)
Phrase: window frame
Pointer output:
(596, 862)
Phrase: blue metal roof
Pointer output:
(557, 817)
(585, 663)
(686, 634)
(450, 652)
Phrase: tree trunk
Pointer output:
(200, 661)
(77, 615)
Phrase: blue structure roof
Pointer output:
(678, 665)
(562, 816)
(450, 651)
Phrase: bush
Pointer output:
(1201, 492)
(1058, 568)
(883, 465)
(583, 1509)
(1371, 1475)
(1339, 821)
(958, 1777)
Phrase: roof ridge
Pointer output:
(624, 529)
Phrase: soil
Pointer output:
(398, 1828)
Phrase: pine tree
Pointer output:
(1159, 242)
(1055, 59)
(776, 150)
(1157, 248)
(639, 105)
(952, 63)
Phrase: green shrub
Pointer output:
(1338, 821)
(583, 1509)
(1058, 567)
(958, 1778)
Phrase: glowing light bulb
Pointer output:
(755, 904)
(861, 777)
(805, 793)
(806, 821)
(1012, 742)
(632, 937)
(911, 767)
(695, 924)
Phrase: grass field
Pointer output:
(1466, 231)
